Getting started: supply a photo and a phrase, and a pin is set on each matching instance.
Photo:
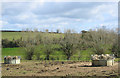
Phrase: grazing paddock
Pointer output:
(57, 55)
(57, 68)
(67, 54)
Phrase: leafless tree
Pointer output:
(69, 44)
(48, 46)
(30, 42)
(58, 31)
(29, 50)
(98, 40)
(47, 30)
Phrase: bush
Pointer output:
(9, 44)
(29, 51)
(34, 57)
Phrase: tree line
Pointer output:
(6, 43)
(69, 43)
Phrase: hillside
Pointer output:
(18, 35)
(56, 55)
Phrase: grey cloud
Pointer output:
(57, 8)
(49, 13)
(13, 9)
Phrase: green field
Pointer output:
(18, 35)
(11, 35)
(57, 55)
(13, 52)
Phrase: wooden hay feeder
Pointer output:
(12, 60)
(99, 61)
(103, 62)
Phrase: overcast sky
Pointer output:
(59, 15)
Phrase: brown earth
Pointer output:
(54, 68)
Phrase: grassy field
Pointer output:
(18, 35)
(57, 55)
(13, 52)
(11, 35)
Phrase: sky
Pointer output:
(76, 16)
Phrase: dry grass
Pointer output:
(56, 68)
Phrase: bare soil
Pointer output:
(54, 68)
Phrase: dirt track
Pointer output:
(32, 68)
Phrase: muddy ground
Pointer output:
(54, 68)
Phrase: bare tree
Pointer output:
(48, 46)
(29, 43)
(58, 31)
(98, 40)
(35, 30)
(116, 46)
(47, 30)
(69, 44)
(29, 49)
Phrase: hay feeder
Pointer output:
(103, 60)
(12, 60)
